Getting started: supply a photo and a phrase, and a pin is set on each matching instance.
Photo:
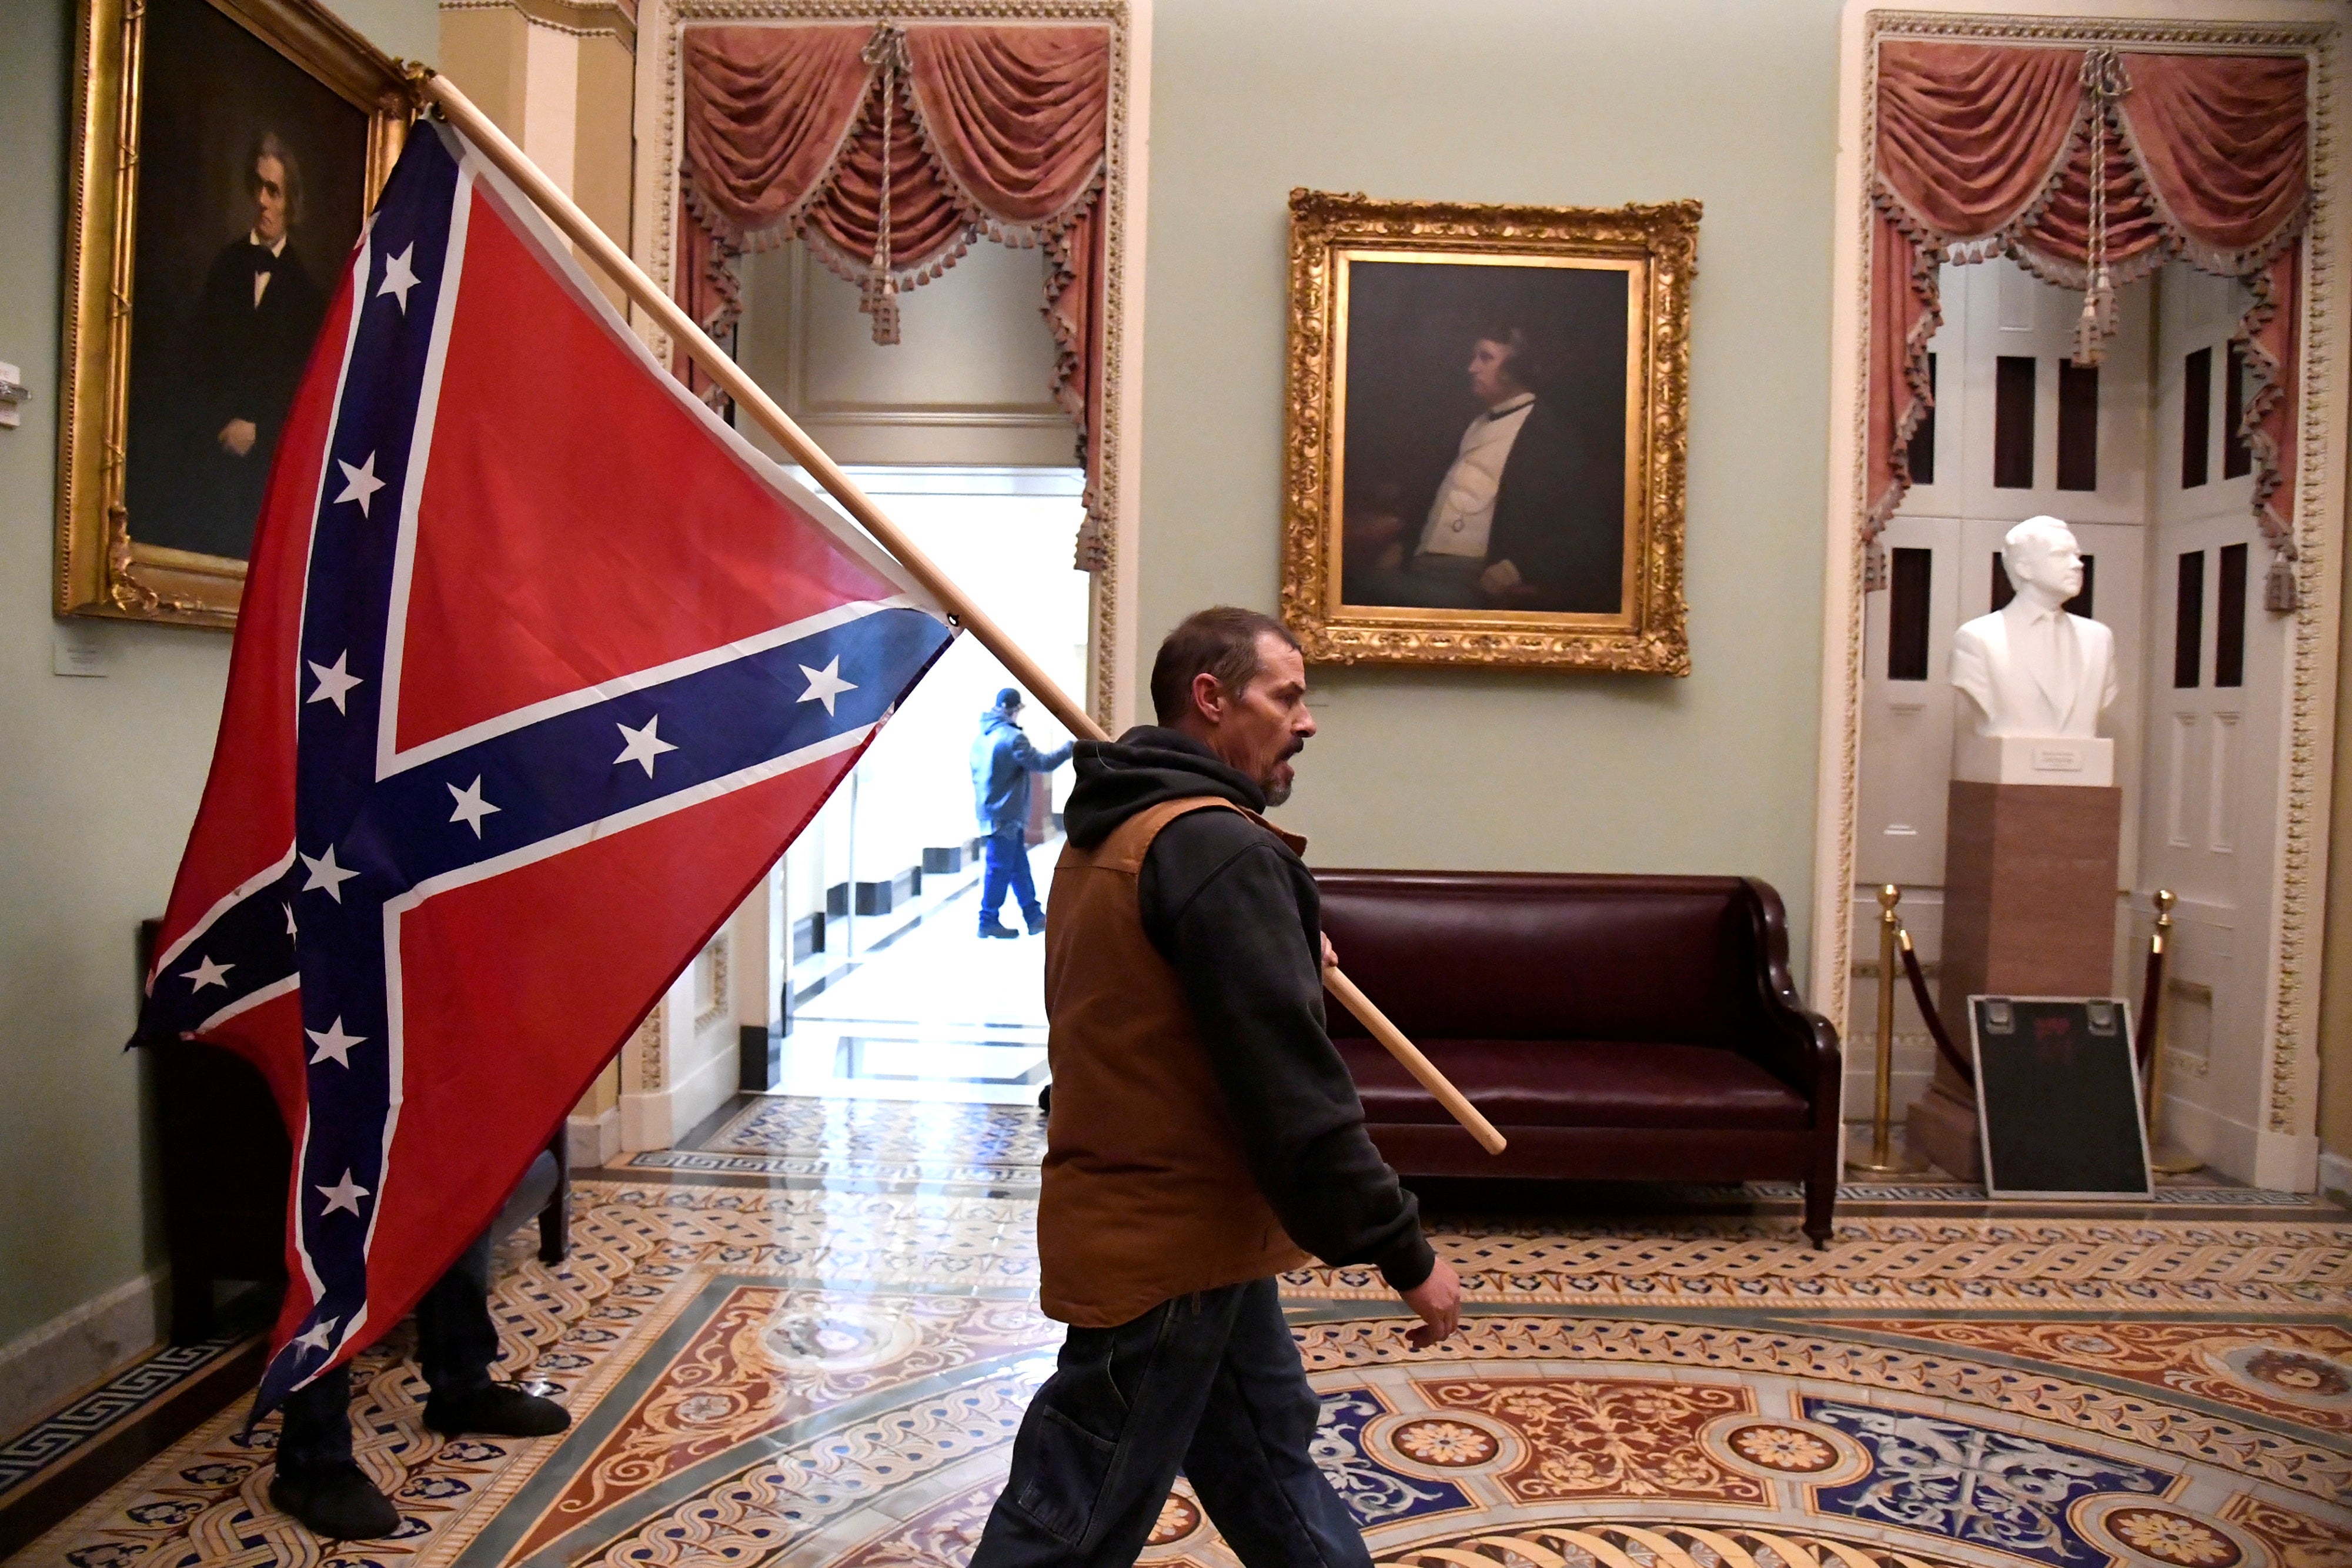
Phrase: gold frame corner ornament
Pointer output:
(101, 568)
(1658, 246)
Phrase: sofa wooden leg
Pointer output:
(1821, 1200)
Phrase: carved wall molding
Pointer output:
(645, 1046)
(661, 23)
(719, 1005)
(580, 18)
(2299, 850)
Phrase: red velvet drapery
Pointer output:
(994, 132)
(1985, 150)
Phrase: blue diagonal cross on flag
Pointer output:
(540, 667)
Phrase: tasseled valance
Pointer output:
(890, 152)
(2090, 168)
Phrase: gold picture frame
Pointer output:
(1396, 312)
(317, 67)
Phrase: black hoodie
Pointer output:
(1238, 916)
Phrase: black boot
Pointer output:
(337, 1504)
(501, 1409)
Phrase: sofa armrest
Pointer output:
(1797, 1045)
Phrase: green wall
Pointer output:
(1570, 102)
(98, 777)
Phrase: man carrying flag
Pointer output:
(1206, 1137)
(538, 668)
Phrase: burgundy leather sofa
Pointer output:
(1611, 1027)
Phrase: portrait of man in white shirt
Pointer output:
(1528, 513)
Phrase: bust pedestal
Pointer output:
(2072, 761)
(2028, 907)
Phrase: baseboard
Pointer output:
(2229, 1146)
(2335, 1177)
(2286, 1162)
(656, 1121)
(592, 1140)
(706, 1088)
(77, 1348)
(645, 1122)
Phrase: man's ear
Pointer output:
(1208, 696)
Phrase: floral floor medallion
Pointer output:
(818, 1360)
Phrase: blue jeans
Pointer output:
(1008, 866)
(1208, 1384)
(456, 1342)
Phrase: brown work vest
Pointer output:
(1146, 1194)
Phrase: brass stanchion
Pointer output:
(2162, 1158)
(1882, 1161)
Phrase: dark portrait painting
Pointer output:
(1483, 459)
(251, 190)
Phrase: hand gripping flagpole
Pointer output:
(598, 246)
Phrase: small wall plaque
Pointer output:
(2058, 1098)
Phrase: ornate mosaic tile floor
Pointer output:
(823, 1369)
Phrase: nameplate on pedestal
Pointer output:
(2084, 761)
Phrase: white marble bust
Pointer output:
(2029, 669)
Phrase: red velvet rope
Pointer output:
(2150, 999)
(1934, 1024)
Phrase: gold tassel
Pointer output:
(879, 296)
(2102, 80)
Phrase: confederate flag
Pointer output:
(539, 668)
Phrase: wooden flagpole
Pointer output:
(598, 246)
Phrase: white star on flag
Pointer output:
(333, 683)
(317, 1339)
(289, 918)
(326, 873)
(333, 1043)
(825, 684)
(344, 1194)
(398, 279)
(643, 746)
(359, 484)
(207, 973)
(471, 807)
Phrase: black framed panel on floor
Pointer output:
(2058, 1098)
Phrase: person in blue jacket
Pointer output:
(1002, 758)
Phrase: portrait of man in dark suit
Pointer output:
(252, 188)
(253, 327)
(1485, 441)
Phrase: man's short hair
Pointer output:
(1525, 361)
(1220, 642)
(270, 144)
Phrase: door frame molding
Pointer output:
(2287, 1147)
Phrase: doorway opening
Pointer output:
(891, 991)
(2140, 457)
